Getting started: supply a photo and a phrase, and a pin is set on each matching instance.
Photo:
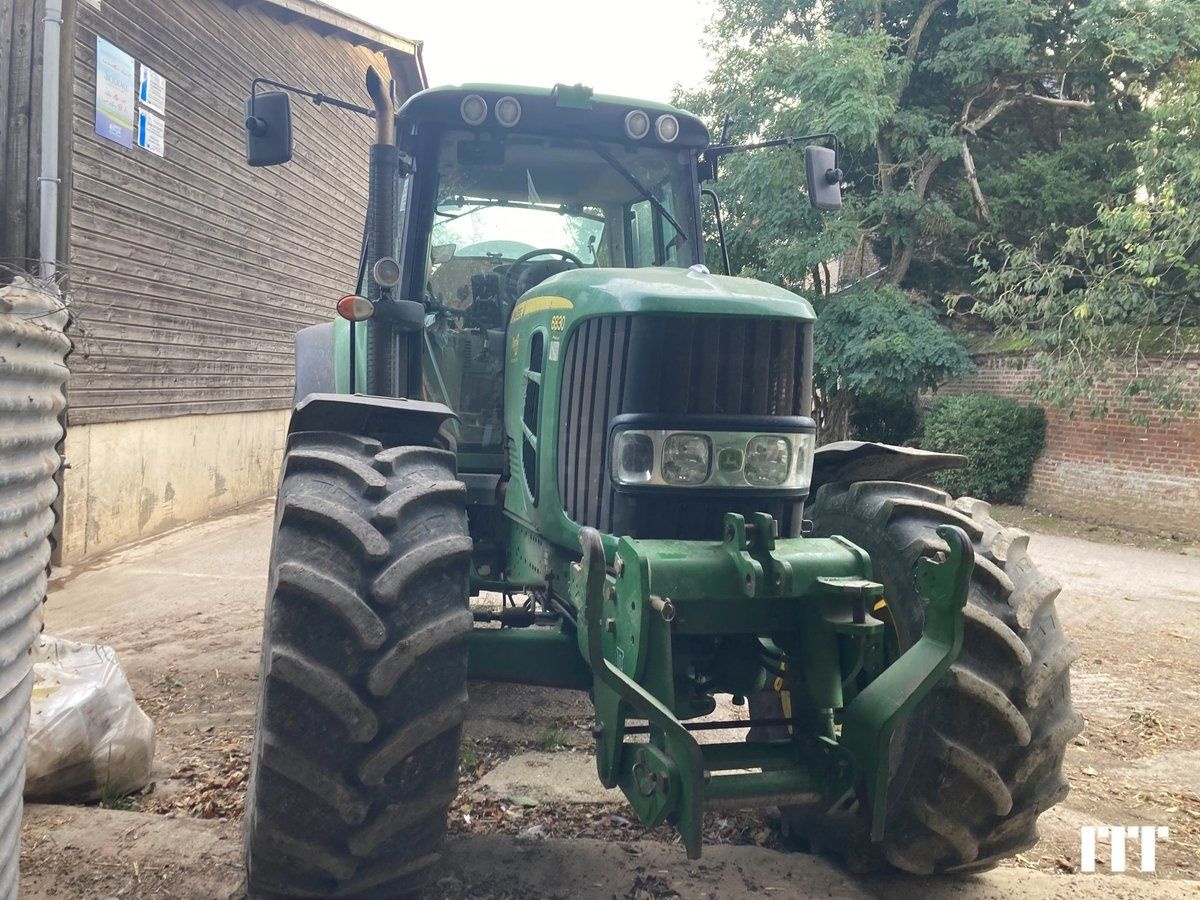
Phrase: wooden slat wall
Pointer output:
(192, 272)
(20, 99)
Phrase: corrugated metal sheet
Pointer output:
(33, 372)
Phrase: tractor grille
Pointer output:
(670, 365)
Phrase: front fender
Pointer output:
(865, 461)
(394, 421)
(314, 361)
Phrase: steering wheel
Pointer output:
(521, 263)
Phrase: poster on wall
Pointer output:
(115, 92)
(152, 132)
(152, 89)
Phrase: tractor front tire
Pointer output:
(364, 671)
(981, 757)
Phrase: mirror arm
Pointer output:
(710, 157)
(725, 126)
(709, 192)
(317, 98)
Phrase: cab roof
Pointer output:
(563, 108)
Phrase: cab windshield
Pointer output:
(583, 202)
(469, 228)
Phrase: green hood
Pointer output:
(665, 290)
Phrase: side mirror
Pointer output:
(268, 128)
(442, 253)
(824, 178)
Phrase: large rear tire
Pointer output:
(981, 758)
(364, 671)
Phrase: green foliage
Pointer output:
(914, 88)
(884, 418)
(111, 797)
(1000, 437)
(468, 758)
(872, 340)
(554, 739)
(1077, 119)
(1031, 187)
(1094, 297)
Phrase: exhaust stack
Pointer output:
(386, 355)
(383, 99)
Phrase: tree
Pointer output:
(872, 341)
(912, 88)
(1094, 300)
(969, 129)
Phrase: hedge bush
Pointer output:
(1000, 437)
(887, 418)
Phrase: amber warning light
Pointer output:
(355, 308)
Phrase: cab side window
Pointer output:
(653, 240)
(641, 235)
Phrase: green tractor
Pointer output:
(540, 392)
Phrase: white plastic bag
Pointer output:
(87, 735)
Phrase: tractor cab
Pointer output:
(483, 193)
(510, 187)
(517, 207)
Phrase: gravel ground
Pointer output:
(184, 612)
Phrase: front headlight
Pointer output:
(685, 458)
(633, 457)
(768, 460)
(751, 460)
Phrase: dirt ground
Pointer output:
(184, 612)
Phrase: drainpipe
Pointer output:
(48, 176)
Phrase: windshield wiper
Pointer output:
(477, 205)
(640, 188)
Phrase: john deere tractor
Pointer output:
(539, 393)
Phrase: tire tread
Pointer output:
(364, 671)
(987, 758)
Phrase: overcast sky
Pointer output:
(634, 48)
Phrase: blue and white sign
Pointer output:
(152, 90)
(152, 132)
(115, 92)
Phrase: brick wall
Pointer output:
(1109, 470)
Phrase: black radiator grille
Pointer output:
(669, 365)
